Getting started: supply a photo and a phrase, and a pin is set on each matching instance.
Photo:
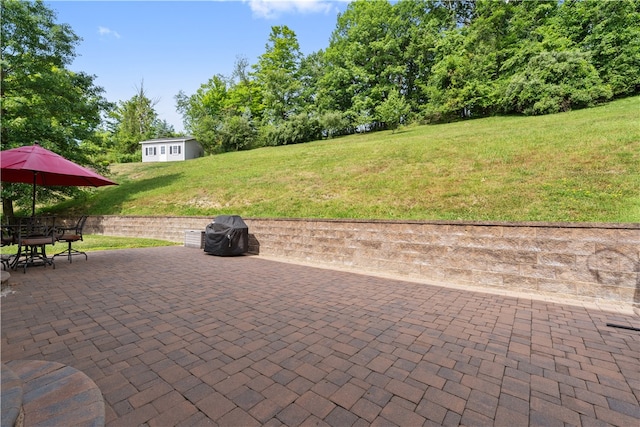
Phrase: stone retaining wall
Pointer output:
(586, 261)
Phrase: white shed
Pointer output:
(171, 149)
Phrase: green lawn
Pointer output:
(94, 242)
(577, 166)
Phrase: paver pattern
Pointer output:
(173, 336)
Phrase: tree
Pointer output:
(610, 32)
(277, 74)
(334, 123)
(41, 99)
(393, 110)
(312, 68)
(244, 96)
(236, 133)
(362, 60)
(136, 120)
(466, 76)
(421, 24)
(447, 88)
(204, 112)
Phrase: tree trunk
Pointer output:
(7, 210)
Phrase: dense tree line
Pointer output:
(422, 61)
(385, 65)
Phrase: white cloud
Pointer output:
(107, 32)
(269, 9)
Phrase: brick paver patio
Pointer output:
(176, 337)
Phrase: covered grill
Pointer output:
(227, 235)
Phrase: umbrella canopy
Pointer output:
(29, 163)
(39, 166)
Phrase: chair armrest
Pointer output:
(63, 230)
(60, 231)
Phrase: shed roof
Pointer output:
(177, 139)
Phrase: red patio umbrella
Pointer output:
(37, 165)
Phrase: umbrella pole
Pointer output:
(33, 199)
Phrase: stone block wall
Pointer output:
(585, 261)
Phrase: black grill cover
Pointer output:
(227, 235)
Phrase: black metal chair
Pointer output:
(9, 237)
(71, 235)
(34, 234)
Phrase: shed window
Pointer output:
(150, 151)
(174, 149)
(162, 149)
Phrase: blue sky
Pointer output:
(179, 45)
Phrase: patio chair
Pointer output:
(34, 234)
(8, 238)
(71, 235)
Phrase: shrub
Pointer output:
(555, 81)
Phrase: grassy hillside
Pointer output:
(577, 166)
